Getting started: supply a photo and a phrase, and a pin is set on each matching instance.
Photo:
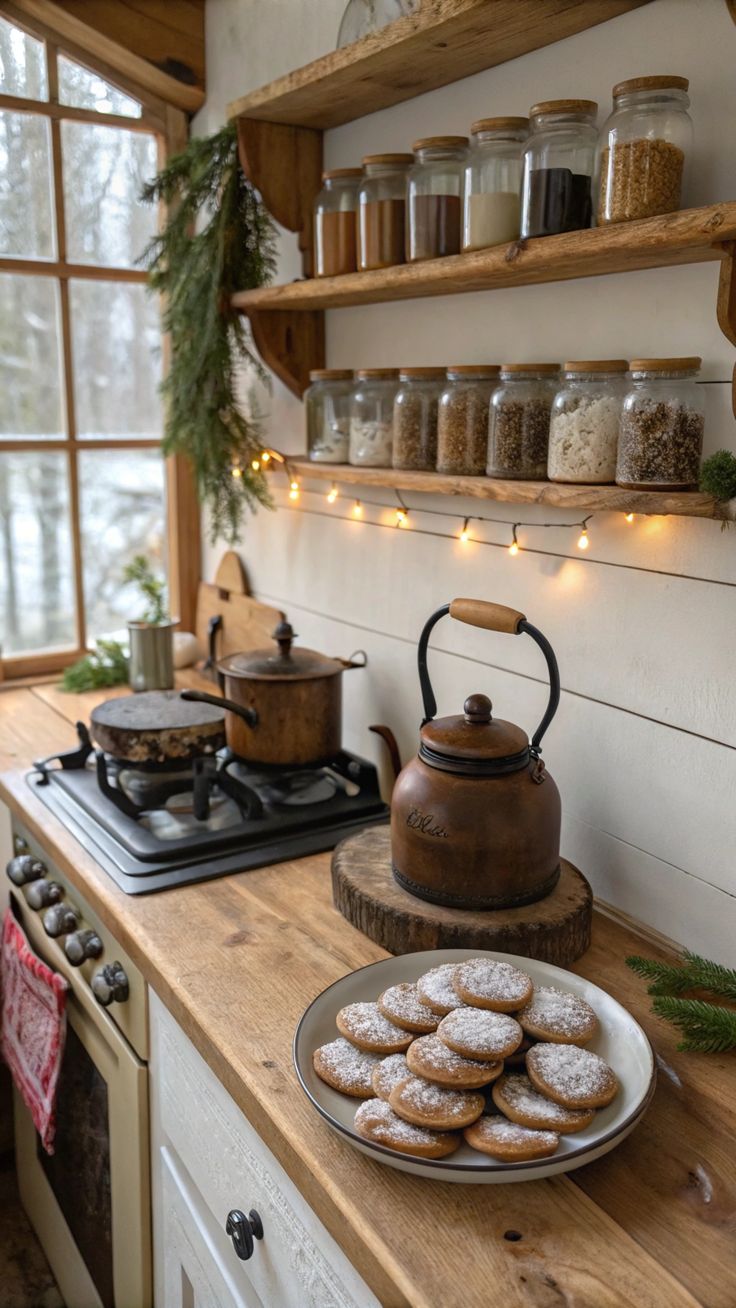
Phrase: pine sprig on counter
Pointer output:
(665, 978)
(706, 1028)
(107, 665)
(692, 973)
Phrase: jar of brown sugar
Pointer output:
(642, 149)
(518, 428)
(661, 435)
(415, 418)
(335, 223)
(382, 210)
(462, 420)
(435, 190)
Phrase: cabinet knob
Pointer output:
(243, 1231)
(81, 945)
(60, 919)
(110, 985)
(42, 893)
(24, 868)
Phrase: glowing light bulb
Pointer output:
(255, 464)
(583, 541)
(294, 490)
(332, 495)
(465, 534)
(401, 517)
(629, 517)
(236, 471)
(265, 457)
(357, 509)
(294, 485)
(514, 548)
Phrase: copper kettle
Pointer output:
(475, 817)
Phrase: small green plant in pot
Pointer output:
(152, 635)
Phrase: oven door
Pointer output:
(90, 1200)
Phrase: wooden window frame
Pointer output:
(170, 127)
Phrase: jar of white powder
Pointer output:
(584, 426)
(372, 417)
(491, 207)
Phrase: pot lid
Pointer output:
(475, 741)
(282, 663)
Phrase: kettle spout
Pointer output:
(389, 738)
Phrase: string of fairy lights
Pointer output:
(403, 511)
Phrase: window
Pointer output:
(82, 480)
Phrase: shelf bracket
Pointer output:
(284, 163)
(726, 306)
(290, 344)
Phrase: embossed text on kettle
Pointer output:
(425, 822)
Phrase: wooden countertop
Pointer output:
(236, 960)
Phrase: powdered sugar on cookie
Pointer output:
(557, 1013)
(436, 988)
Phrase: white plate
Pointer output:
(620, 1041)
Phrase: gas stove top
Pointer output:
(152, 829)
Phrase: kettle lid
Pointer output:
(474, 743)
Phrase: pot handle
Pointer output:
(358, 659)
(248, 715)
(491, 617)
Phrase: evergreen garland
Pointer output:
(707, 1027)
(217, 239)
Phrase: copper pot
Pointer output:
(284, 705)
(475, 817)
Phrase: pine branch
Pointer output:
(665, 978)
(106, 666)
(707, 1028)
(705, 975)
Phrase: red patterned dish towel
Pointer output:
(32, 1026)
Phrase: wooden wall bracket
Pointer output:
(726, 305)
(284, 164)
(290, 344)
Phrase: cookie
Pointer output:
(375, 1120)
(476, 1033)
(508, 1141)
(571, 1076)
(431, 1058)
(437, 991)
(424, 1104)
(364, 1025)
(515, 1097)
(487, 983)
(558, 1016)
(518, 1058)
(402, 1006)
(387, 1073)
(346, 1068)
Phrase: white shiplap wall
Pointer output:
(644, 745)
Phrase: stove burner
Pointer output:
(298, 789)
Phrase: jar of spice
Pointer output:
(518, 430)
(435, 197)
(382, 210)
(642, 149)
(335, 229)
(462, 419)
(415, 418)
(372, 417)
(327, 403)
(559, 158)
(491, 205)
(586, 413)
(661, 436)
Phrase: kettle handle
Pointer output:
(491, 617)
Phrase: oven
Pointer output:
(89, 1201)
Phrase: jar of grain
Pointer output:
(491, 205)
(661, 435)
(372, 417)
(382, 210)
(558, 164)
(435, 188)
(335, 223)
(643, 147)
(586, 413)
(518, 429)
(415, 418)
(327, 404)
(462, 419)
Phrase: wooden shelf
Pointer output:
(602, 499)
(445, 41)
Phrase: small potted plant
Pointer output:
(151, 637)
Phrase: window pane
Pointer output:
(36, 586)
(86, 90)
(122, 508)
(30, 359)
(22, 64)
(26, 228)
(116, 340)
(104, 170)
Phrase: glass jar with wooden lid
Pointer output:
(327, 404)
(462, 419)
(661, 436)
(435, 188)
(643, 147)
(382, 210)
(335, 223)
(491, 203)
(559, 159)
(518, 427)
(415, 418)
(585, 420)
(372, 417)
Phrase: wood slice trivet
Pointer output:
(556, 929)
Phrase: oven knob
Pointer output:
(110, 985)
(24, 868)
(60, 919)
(42, 893)
(81, 945)
(20, 845)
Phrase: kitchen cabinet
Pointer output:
(208, 1160)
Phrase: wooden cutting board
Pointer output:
(246, 623)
